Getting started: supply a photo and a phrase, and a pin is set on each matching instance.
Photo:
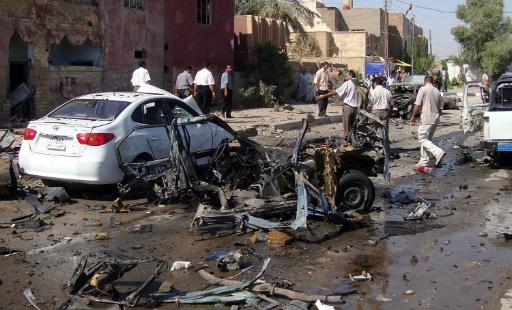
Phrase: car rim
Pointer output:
(353, 197)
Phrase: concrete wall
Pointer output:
(250, 31)
(191, 43)
(353, 49)
(366, 19)
(126, 30)
(401, 34)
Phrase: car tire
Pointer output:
(355, 192)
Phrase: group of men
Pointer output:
(202, 86)
(428, 102)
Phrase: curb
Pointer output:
(298, 124)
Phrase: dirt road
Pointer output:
(454, 261)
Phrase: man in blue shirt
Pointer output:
(226, 85)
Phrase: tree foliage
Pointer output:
(423, 62)
(271, 67)
(290, 11)
(486, 37)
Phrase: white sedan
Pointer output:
(77, 142)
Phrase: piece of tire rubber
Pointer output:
(350, 181)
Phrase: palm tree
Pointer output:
(290, 11)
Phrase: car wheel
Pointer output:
(355, 192)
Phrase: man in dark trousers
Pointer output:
(204, 88)
(226, 86)
(184, 83)
(322, 85)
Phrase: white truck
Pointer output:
(491, 114)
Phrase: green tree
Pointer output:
(271, 67)
(423, 62)
(485, 36)
(290, 11)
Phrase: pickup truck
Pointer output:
(492, 115)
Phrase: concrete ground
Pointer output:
(457, 260)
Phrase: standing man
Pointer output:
(226, 86)
(184, 83)
(445, 77)
(381, 102)
(140, 76)
(485, 79)
(204, 88)
(322, 79)
(430, 103)
(348, 92)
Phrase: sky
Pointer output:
(443, 44)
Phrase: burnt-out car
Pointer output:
(404, 95)
(245, 182)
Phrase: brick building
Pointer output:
(350, 34)
(65, 48)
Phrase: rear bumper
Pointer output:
(496, 146)
(88, 169)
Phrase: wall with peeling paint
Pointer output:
(167, 32)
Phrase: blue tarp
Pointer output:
(373, 68)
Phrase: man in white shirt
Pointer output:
(204, 88)
(321, 81)
(140, 76)
(381, 102)
(347, 91)
(445, 77)
(430, 103)
(184, 83)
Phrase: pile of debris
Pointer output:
(252, 187)
(9, 173)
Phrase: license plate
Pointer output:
(505, 147)
(56, 144)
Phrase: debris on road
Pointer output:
(95, 281)
(422, 211)
(365, 276)
(57, 194)
(179, 265)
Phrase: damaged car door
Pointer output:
(475, 103)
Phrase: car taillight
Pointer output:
(94, 139)
(29, 134)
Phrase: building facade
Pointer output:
(65, 48)
(350, 34)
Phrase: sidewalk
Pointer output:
(283, 120)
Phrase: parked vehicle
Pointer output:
(404, 96)
(492, 117)
(77, 142)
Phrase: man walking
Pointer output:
(348, 92)
(204, 88)
(430, 103)
(184, 83)
(226, 85)
(321, 81)
(445, 77)
(381, 102)
(140, 76)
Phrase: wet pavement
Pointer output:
(457, 260)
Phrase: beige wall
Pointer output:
(401, 32)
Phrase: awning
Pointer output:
(374, 68)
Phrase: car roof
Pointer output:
(406, 84)
(118, 96)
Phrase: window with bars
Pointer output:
(135, 4)
(205, 12)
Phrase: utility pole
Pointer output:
(430, 41)
(386, 38)
(412, 44)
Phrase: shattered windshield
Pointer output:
(90, 109)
